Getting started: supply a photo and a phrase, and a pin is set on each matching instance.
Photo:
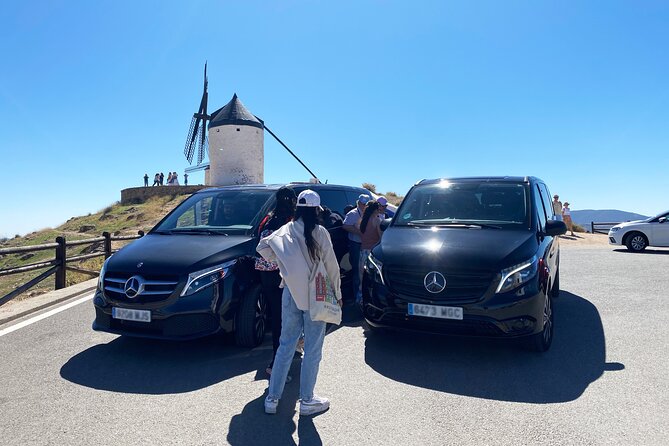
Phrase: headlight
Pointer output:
(614, 229)
(375, 267)
(517, 275)
(206, 277)
(101, 277)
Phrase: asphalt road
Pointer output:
(603, 382)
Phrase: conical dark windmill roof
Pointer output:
(234, 113)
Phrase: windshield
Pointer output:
(481, 204)
(226, 212)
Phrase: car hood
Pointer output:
(460, 248)
(179, 253)
(631, 223)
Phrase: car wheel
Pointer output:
(251, 318)
(636, 242)
(542, 341)
(555, 288)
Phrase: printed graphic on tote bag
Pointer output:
(324, 291)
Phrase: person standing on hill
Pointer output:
(156, 180)
(557, 208)
(185, 179)
(566, 216)
(146, 180)
(162, 177)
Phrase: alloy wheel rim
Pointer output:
(260, 317)
(548, 321)
(638, 242)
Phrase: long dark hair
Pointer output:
(372, 206)
(285, 204)
(309, 216)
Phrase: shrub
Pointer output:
(370, 187)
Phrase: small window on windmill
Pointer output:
(237, 128)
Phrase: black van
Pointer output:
(193, 274)
(468, 256)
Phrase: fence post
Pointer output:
(108, 249)
(61, 258)
(592, 227)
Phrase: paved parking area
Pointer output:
(603, 382)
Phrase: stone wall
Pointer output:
(136, 195)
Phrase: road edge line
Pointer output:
(45, 305)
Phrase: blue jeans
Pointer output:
(354, 258)
(293, 322)
(557, 217)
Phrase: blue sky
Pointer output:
(93, 94)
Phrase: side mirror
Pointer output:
(663, 219)
(555, 227)
(386, 222)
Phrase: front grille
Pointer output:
(156, 288)
(461, 287)
(466, 327)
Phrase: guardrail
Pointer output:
(58, 265)
(601, 227)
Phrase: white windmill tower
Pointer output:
(236, 146)
(235, 143)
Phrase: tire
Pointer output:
(555, 288)
(251, 318)
(636, 241)
(542, 341)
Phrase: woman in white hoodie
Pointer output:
(296, 247)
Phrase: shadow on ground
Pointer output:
(645, 251)
(146, 366)
(500, 370)
(253, 427)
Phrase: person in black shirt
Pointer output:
(269, 271)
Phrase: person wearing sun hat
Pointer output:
(295, 247)
(566, 217)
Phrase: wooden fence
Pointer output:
(601, 227)
(58, 266)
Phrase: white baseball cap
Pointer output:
(309, 198)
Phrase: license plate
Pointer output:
(435, 311)
(131, 315)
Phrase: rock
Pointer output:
(86, 228)
(93, 247)
(27, 256)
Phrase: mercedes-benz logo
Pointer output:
(434, 282)
(133, 286)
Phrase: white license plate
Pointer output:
(131, 315)
(435, 311)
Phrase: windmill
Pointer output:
(237, 140)
(197, 134)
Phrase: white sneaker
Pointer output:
(315, 405)
(270, 405)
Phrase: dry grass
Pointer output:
(116, 219)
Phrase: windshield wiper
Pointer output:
(209, 231)
(452, 223)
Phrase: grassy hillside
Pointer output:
(116, 219)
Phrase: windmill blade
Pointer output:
(190, 143)
(204, 147)
(197, 133)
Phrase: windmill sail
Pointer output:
(197, 133)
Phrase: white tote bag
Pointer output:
(323, 304)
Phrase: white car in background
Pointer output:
(637, 235)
